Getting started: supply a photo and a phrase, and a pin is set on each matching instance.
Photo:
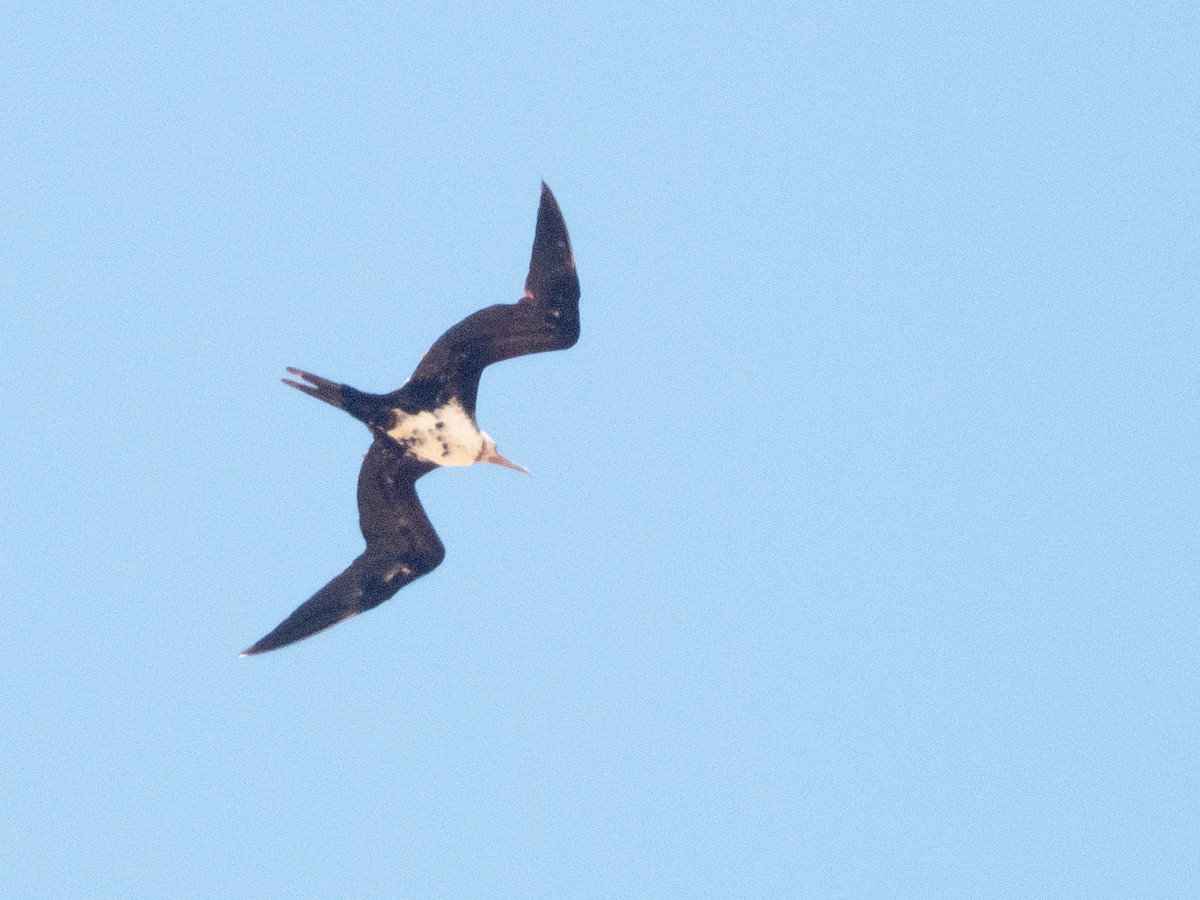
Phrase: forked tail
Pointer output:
(321, 388)
(361, 405)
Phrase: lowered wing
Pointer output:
(401, 547)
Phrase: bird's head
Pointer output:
(489, 454)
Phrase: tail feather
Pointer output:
(363, 406)
(321, 388)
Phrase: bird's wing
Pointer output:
(546, 318)
(401, 547)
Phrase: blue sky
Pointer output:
(858, 557)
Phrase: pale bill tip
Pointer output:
(495, 458)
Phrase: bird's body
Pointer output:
(430, 422)
(445, 436)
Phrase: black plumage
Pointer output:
(401, 543)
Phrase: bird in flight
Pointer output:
(430, 422)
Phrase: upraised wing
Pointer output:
(546, 318)
(401, 547)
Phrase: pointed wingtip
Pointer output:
(551, 277)
(257, 648)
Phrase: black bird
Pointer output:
(430, 422)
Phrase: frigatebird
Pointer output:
(430, 422)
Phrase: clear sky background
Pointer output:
(859, 557)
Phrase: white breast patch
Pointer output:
(446, 436)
